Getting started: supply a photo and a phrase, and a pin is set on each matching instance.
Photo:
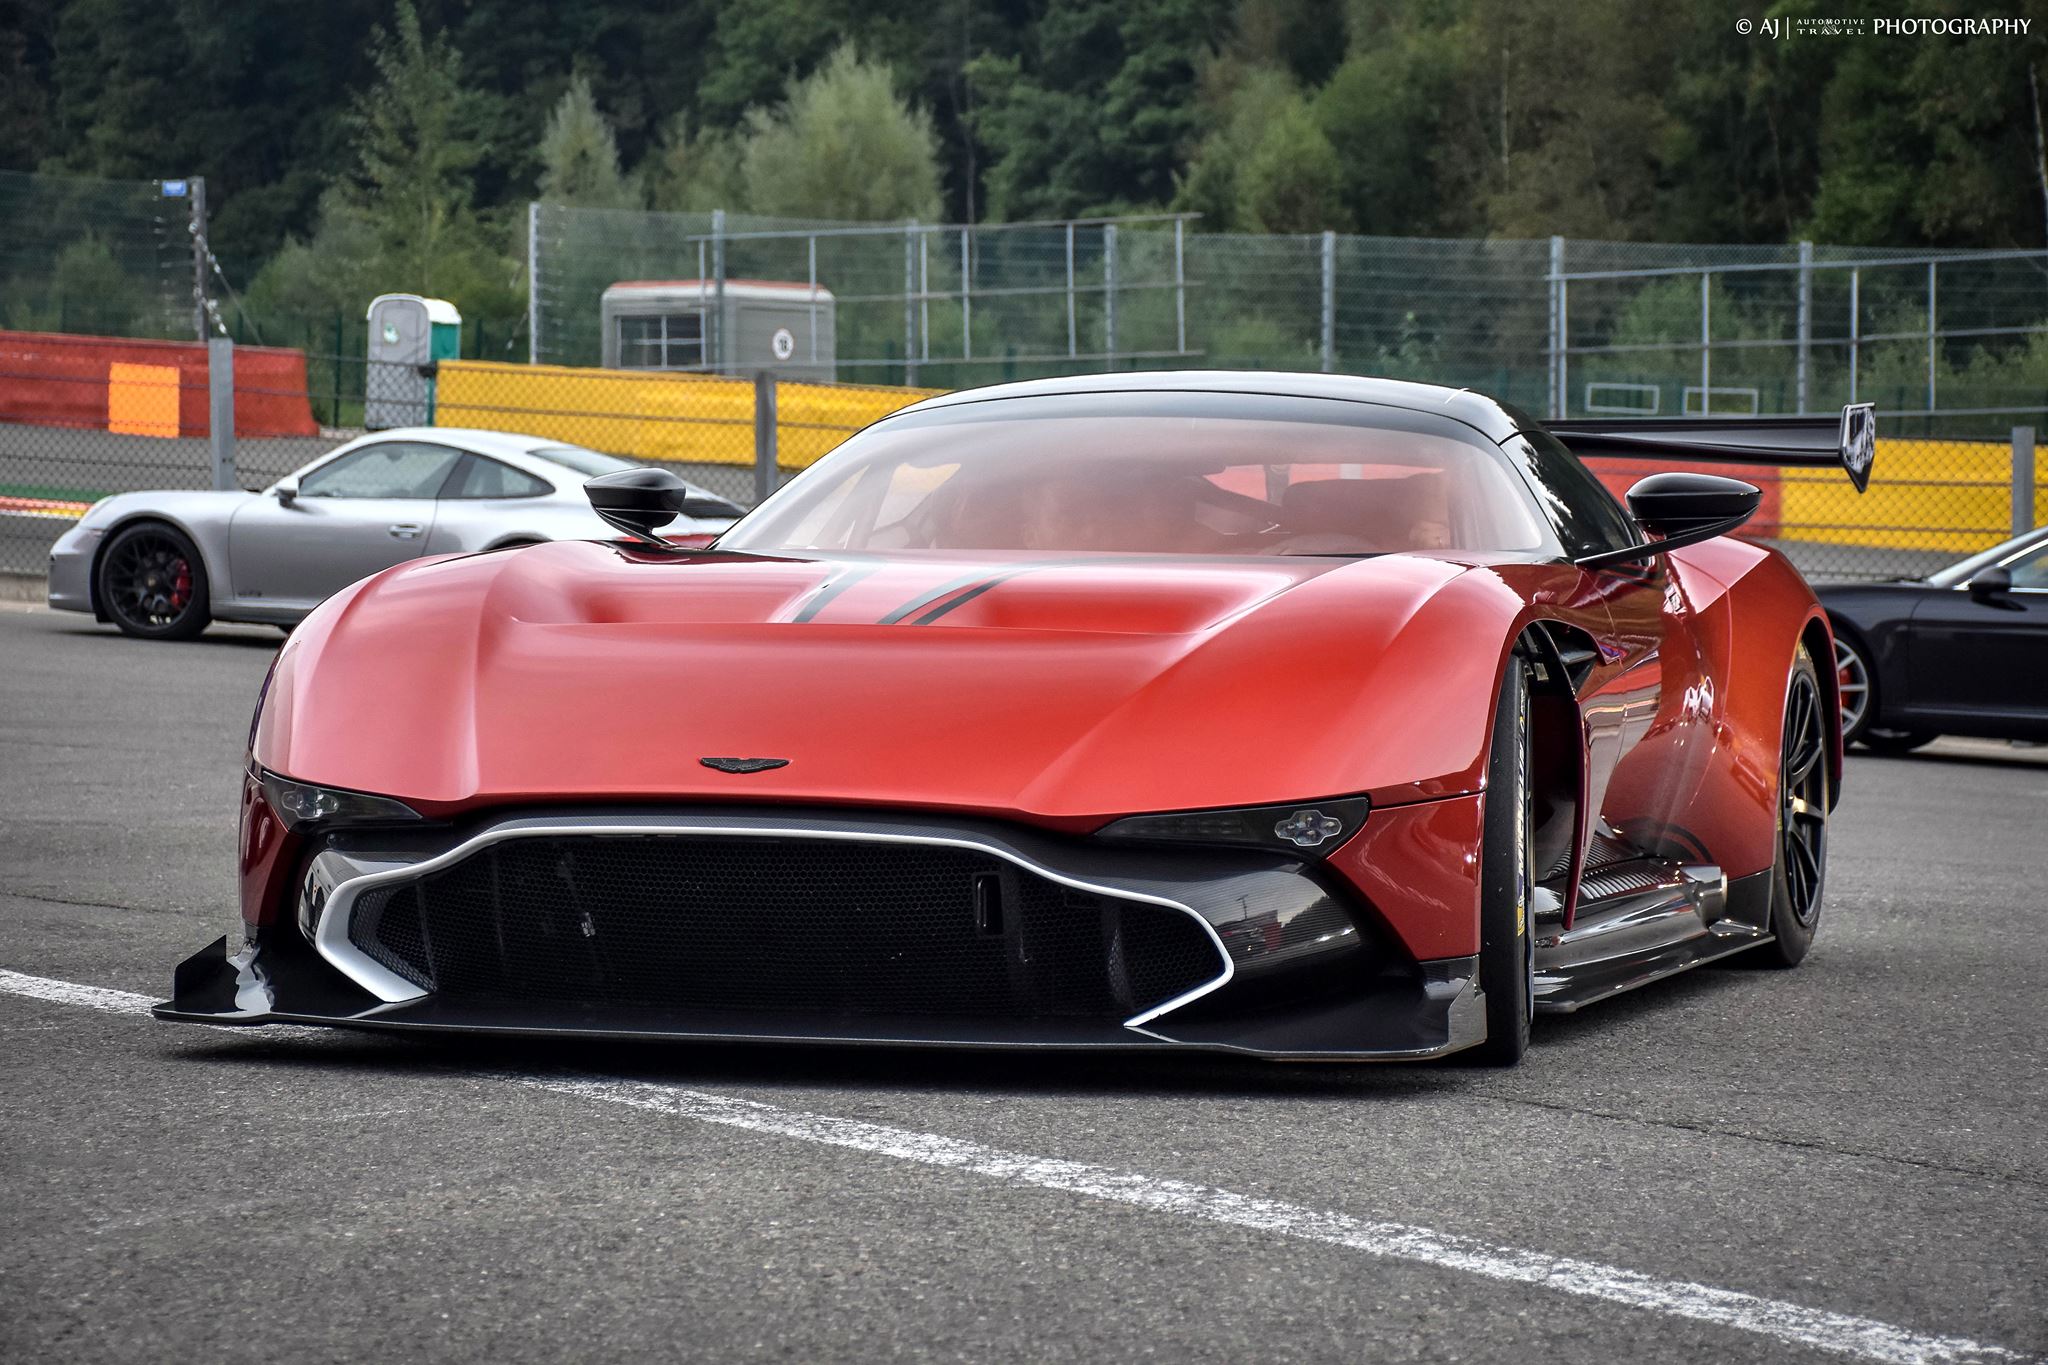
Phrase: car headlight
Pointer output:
(299, 804)
(1309, 829)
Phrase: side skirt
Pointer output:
(1650, 920)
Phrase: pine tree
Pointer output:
(579, 154)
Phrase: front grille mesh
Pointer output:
(776, 925)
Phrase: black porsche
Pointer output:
(1959, 652)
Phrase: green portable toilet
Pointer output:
(408, 334)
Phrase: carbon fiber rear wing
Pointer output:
(1820, 442)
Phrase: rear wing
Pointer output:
(1819, 442)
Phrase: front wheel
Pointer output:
(152, 583)
(1507, 947)
(1800, 870)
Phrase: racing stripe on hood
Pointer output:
(968, 587)
(821, 596)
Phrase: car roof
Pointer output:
(478, 439)
(1495, 419)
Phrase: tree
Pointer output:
(416, 151)
(403, 219)
(579, 155)
(1266, 167)
(842, 145)
(694, 170)
(1292, 181)
(1100, 114)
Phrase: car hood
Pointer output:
(1065, 691)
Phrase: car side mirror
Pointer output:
(639, 501)
(287, 493)
(1682, 509)
(1991, 583)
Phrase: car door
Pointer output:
(1651, 702)
(1979, 662)
(485, 503)
(360, 512)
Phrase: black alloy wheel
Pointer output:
(1800, 873)
(152, 583)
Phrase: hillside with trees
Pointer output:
(362, 145)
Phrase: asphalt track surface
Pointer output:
(1849, 1161)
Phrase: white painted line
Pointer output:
(70, 993)
(1842, 1333)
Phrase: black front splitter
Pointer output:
(1441, 1014)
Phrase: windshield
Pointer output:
(582, 461)
(1179, 473)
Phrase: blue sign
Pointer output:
(173, 189)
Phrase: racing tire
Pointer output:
(1507, 861)
(151, 583)
(1799, 870)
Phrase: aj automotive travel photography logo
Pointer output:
(1783, 28)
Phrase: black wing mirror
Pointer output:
(638, 501)
(1682, 509)
(287, 492)
(1992, 583)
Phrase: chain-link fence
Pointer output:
(108, 257)
(650, 331)
(1950, 343)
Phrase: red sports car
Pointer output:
(1300, 716)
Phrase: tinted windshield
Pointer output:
(1181, 473)
(587, 462)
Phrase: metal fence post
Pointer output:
(198, 225)
(909, 304)
(1805, 326)
(1855, 327)
(1329, 301)
(1109, 296)
(1706, 343)
(966, 296)
(924, 295)
(1555, 344)
(1930, 336)
(1180, 286)
(1071, 342)
(2022, 480)
(220, 408)
(533, 282)
(716, 356)
(766, 475)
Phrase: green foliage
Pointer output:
(356, 149)
(1100, 115)
(579, 155)
(842, 145)
(404, 221)
(694, 170)
(88, 291)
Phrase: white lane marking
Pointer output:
(1842, 1333)
(71, 993)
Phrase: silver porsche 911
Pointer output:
(164, 564)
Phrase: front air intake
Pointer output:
(781, 924)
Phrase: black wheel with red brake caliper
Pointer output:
(152, 583)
